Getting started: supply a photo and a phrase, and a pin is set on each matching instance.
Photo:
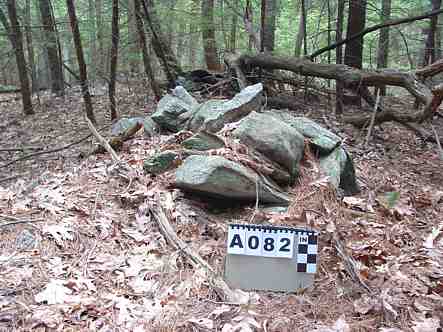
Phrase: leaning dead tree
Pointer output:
(354, 79)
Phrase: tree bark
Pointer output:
(383, 40)
(101, 68)
(81, 60)
(353, 77)
(233, 32)
(269, 13)
(208, 34)
(133, 39)
(114, 59)
(375, 28)
(30, 46)
(430, 49)
(356, 23)
(339, 56)
(194, 34)
(92, 40)
(161, 47)
(15, 36)
(143, 45)
(55, 63)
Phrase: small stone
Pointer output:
(25, 240)
(161, 162)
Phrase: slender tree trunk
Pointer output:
(100, 39)
(133, 39)
(114, 59)
(92, 40)
(208, 34)
(269, 14)
(15, 36)
(430, 55)
(180, 41)
(383, 41)
(194, 34)
(356, 23)
(143, 45)
(30, 46)
(81, 60)
(56, 68)
(301, 29)
(234, 22)
(161, 48)
(339, 56)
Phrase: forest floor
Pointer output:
(77, 251)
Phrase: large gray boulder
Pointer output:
(320, 138)
(214, 114)
(174, 110)
(217, 177)
(339, 166)
(273, 138)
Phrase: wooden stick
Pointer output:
(160, 216)
(102, 141)
(371, 125)
(437, 139)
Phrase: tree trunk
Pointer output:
(56, 68)
(430, 46)
(15, 36)
(301, 30)
(383, 40)
(143, 45)
(233, 32)
(269, 13)
(92, 40)
(101, 69)
(339, 56)
(352, 78)
(194, 34)
(356, 23)
(81, 60)
(30, 46)
(133, 39)
(114, 59)
(161, 48)
(208, 34)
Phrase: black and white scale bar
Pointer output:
(307, 253)
(275, 242)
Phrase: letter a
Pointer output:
(236, 241)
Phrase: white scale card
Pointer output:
(261, 257)
(254, 240)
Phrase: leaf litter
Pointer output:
(101, 263)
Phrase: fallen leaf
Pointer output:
(55, 292)
(202, 322)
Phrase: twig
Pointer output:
(20, 149)
(21, 222)
(160, 216)
(371, 125)
(124, 169)
(437, 139)
(9, 178)
(31, 155)
(350, 263)
(102, 141)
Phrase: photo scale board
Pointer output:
(261, 257)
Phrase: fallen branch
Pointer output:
(371, 125)
(32, 155)
(374, 28)
(349, 262)
(161, 218)
(123, 169)
(358, 80)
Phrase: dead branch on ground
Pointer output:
(162, 217)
